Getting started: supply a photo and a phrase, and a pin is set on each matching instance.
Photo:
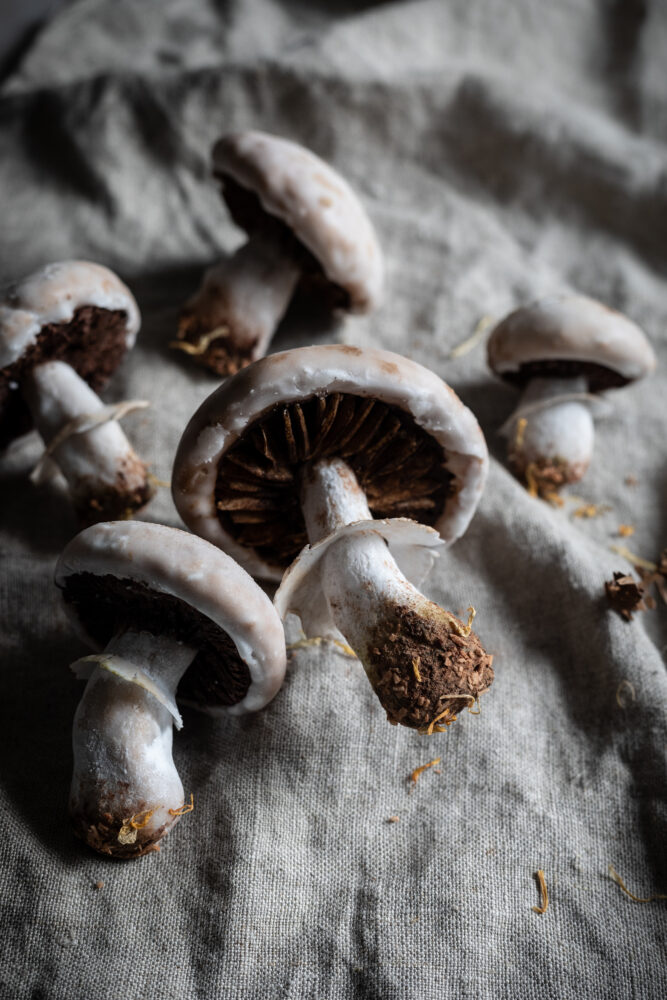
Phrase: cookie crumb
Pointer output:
(589, 510)
(417, 773)
(542, 908)
(636, 899)
(625, 686)
(477, 337)
(625, 595)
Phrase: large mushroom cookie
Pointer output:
(304, 223)
(173, 614)
(377, 464)
(561, 350)
(63, 332)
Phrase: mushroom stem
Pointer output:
(331, 497)
(125, 787)
(105, 476)
(231, 319)
(555, 444)
(421, 661)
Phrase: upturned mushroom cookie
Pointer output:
(63, 332)
(376, 463)
(559, 351)
(174, 616)
(304, 223)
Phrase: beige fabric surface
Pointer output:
(503, 151)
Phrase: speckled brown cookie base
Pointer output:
(546, 476)
(93, 343)
(220, 356)
(113, 504)
(416, 664)
(101, 833)
(107, 605)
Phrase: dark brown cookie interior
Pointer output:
(106, 605)
(249, 214)
(400, 466)
(93, 343)
(599, 377)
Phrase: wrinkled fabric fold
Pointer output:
(503, 152)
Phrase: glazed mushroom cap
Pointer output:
(72, 311)
(163, 580)
(568, 335)
(314, 202)
(416, 450)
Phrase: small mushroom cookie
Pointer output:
(63, 332)
(172, 614)
(304, 223)
(560, 350)
(347, 450)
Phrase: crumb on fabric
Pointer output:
(590, 510)
(542, 908)
(158, 483)
(418, 771)
(637, 899)
(625, 686)
(657, 577)
(477, 337)
(319, 640)
(650, 574)
(625, 595)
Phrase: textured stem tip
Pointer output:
(552, 441)
(425, 664)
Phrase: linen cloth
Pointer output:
(503, 151)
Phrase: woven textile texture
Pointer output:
(503, 151)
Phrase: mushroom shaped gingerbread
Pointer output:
(560, 350)
(304, 222)
(347, 450)
(63, 332)
(159, 602)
